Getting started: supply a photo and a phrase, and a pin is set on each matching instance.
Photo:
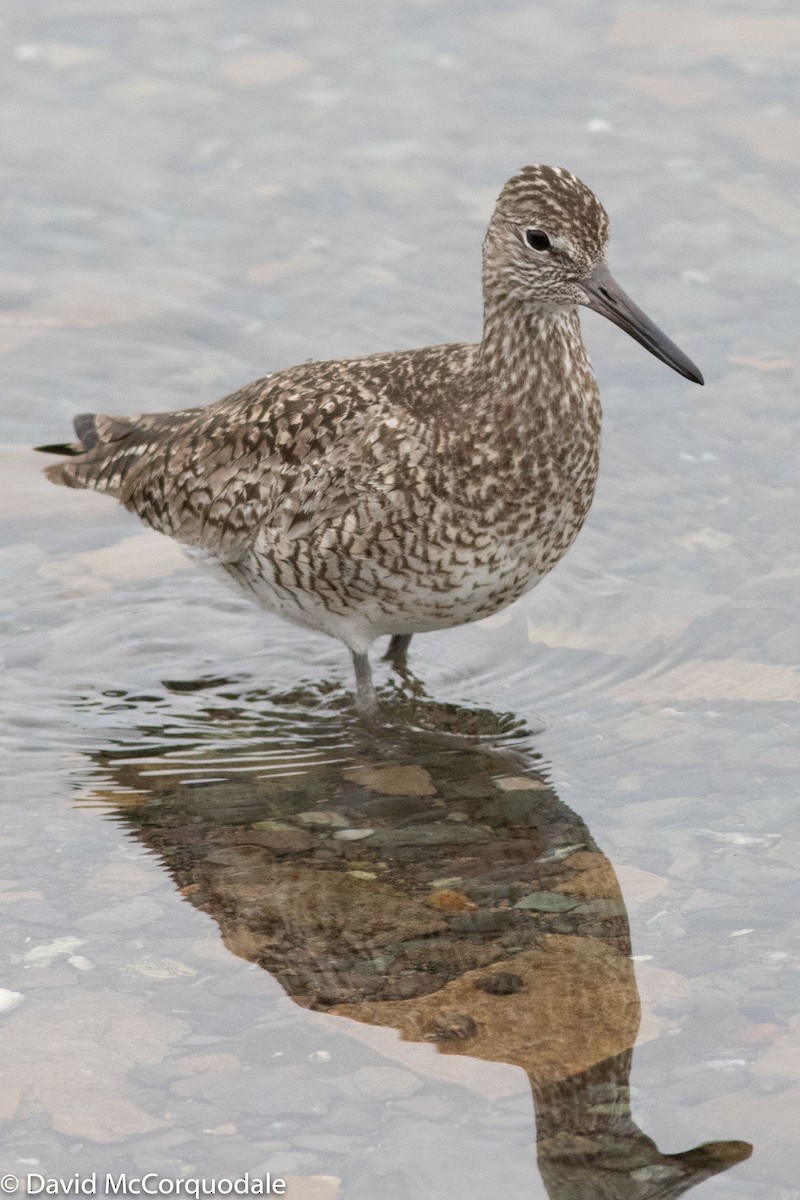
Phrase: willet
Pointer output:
(403, 492)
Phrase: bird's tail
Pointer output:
(88, 436)
(100, 458)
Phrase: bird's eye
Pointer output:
(537, 239)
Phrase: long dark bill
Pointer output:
(607, 298)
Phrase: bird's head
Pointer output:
(546, 247)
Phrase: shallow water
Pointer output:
(591, 810)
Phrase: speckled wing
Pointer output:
(239, 465)
(296, 451)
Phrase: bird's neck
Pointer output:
(533, 353)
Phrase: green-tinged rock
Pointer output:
(514, 808)
(431, 835)
(551, 902)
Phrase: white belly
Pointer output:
(380, 602)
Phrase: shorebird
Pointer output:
(404, 492)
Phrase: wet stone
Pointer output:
(559, 853)
(390, 808)
(706, 1082)
(493, 891)
(42, 978)
(131, 915)
(429, 835)
(501, 983)
(324, 856)
(237, 856)
(427, 1108)
(9, 999)
(250, 842)
(258, 1093)
(484, 921)
(513, 808)
(373, 966)
(624, 1154)
(386, 1083)
(198, 1064)
(607, 1094)
(165, 1143)
(733, 916)
(322, 819)
(548, 902)
(124, 879)
(698, 960)
(430, 816)
(568, 924)
(153, 1076)
(158, 968)
(467, 789)
(524, 936)
(353, 835)
(37, 912)
(80, 962)
(774, 1085)
(451, 1027)
(521, 783)
(412, 984)
(281, 841)
(347, 988)
(450, 900)
(408, 780)
(601, 908)
(566, 1147)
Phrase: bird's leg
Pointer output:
(397, 653)
(366, 698)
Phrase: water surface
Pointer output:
(566, 954)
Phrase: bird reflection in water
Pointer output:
(432, 882)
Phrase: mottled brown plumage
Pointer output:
(400, 492)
